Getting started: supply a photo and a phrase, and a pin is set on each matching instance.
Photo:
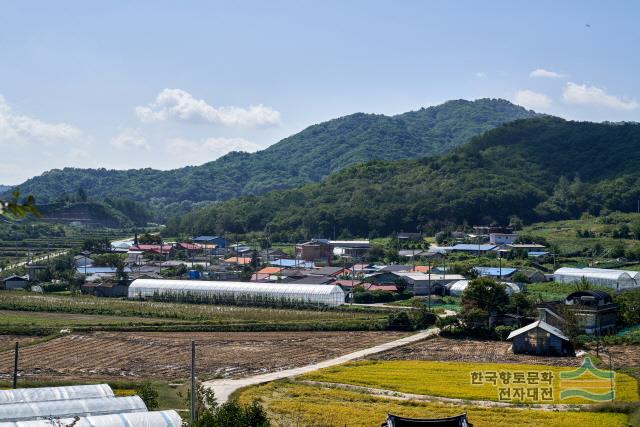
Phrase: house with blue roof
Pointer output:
(219, 241)
(472, 248)
(292, 263)
(495, 271)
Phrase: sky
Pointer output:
(167, 84)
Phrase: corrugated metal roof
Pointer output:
(471, 247)
(494, 271)
(542, 325)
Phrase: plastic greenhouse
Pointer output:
(42, 394)
(635, 275)
(134, 419)
(614, 279)
(237, 292)
(70, 408)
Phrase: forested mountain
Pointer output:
(308, 156)
(539, 168)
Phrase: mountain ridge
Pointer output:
(537, 169)
(307, 156)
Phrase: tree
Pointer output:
(17, 207)
(485, 294)
(149, 395)
(82, 194)
(231, 413)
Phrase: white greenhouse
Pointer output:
(635, 275)
(70, 408)
(458, 287)
(237, 292)
(614, 279)
(134, 419)
(42, 394)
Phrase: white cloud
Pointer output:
(21, 128)
(177, 104)
(202, 151)
(130, 138)
(481, 75)
(532, 100)
(591, 95)
(541, 72)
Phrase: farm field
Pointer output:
(203, 313)
(453, 379)
(46, 238)
(300, 404)
(69, 320)
(125, 355)
(477, 351)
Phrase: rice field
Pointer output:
(471, 381)
(291, 404)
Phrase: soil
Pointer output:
(444, 349)
(137, 355)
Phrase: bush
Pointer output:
(149, 395)
(400, 322)
(502, 332)
(373, 297)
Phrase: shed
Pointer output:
(15, 282)
(540, 338)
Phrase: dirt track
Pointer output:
(122, 355)
(444, 349)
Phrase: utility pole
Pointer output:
(193, 382)
(15, 366)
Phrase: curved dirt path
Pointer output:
(398, 395)
(223, 388)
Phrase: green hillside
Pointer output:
(538, 169)
(308, 156)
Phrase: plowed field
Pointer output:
(121, 355)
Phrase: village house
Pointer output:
(315, 250)
(350, 248)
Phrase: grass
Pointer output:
(553, 291)
(45, 313)
(85, 304)
(64, 320)
(563, 233)
(450, 379)
(297, 404)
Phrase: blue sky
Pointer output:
(167, 84)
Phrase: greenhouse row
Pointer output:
(614, 279)
(80, 406)
(237, 292)
(44, 394)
